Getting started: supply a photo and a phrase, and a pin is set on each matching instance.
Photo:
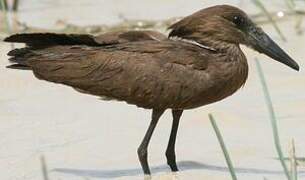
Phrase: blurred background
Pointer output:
(82, 137)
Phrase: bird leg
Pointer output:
(142, 150)
(170, 151)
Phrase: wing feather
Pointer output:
(149, 74)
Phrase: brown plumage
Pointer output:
(198, 64)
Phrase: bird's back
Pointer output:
(148, 73)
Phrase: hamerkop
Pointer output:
(199, 63)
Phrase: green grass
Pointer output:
(223, 147)
(290, 4)
(3, 4)
(273, 119)
(44, 168)
(4, 10)
(6, 20)
(293, 161)
(15, 5)
(261, 6)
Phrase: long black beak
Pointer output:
(262, 43)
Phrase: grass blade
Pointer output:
(3, 5)
(223, 147)
(44, 168)
(298, 25)
(6, 20)
(290, 4)
(15, 5)
(260, 5)
(293, 161)
(4, 10)
(273, 119)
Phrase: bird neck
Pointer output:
(217, 45)
(210, 44)
(193, 42)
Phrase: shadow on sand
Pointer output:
(183, 166)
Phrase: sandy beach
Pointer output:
(83, 137)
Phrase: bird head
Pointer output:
(220, 26)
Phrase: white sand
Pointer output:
(81, 136)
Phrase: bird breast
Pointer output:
(223, 77)
(176, 85)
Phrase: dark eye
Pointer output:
(238, 20)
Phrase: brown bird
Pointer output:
(199, 63)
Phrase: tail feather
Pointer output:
(19, 66)
(19, 57)
(18, 52)
(36, 41)
(42, 40)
